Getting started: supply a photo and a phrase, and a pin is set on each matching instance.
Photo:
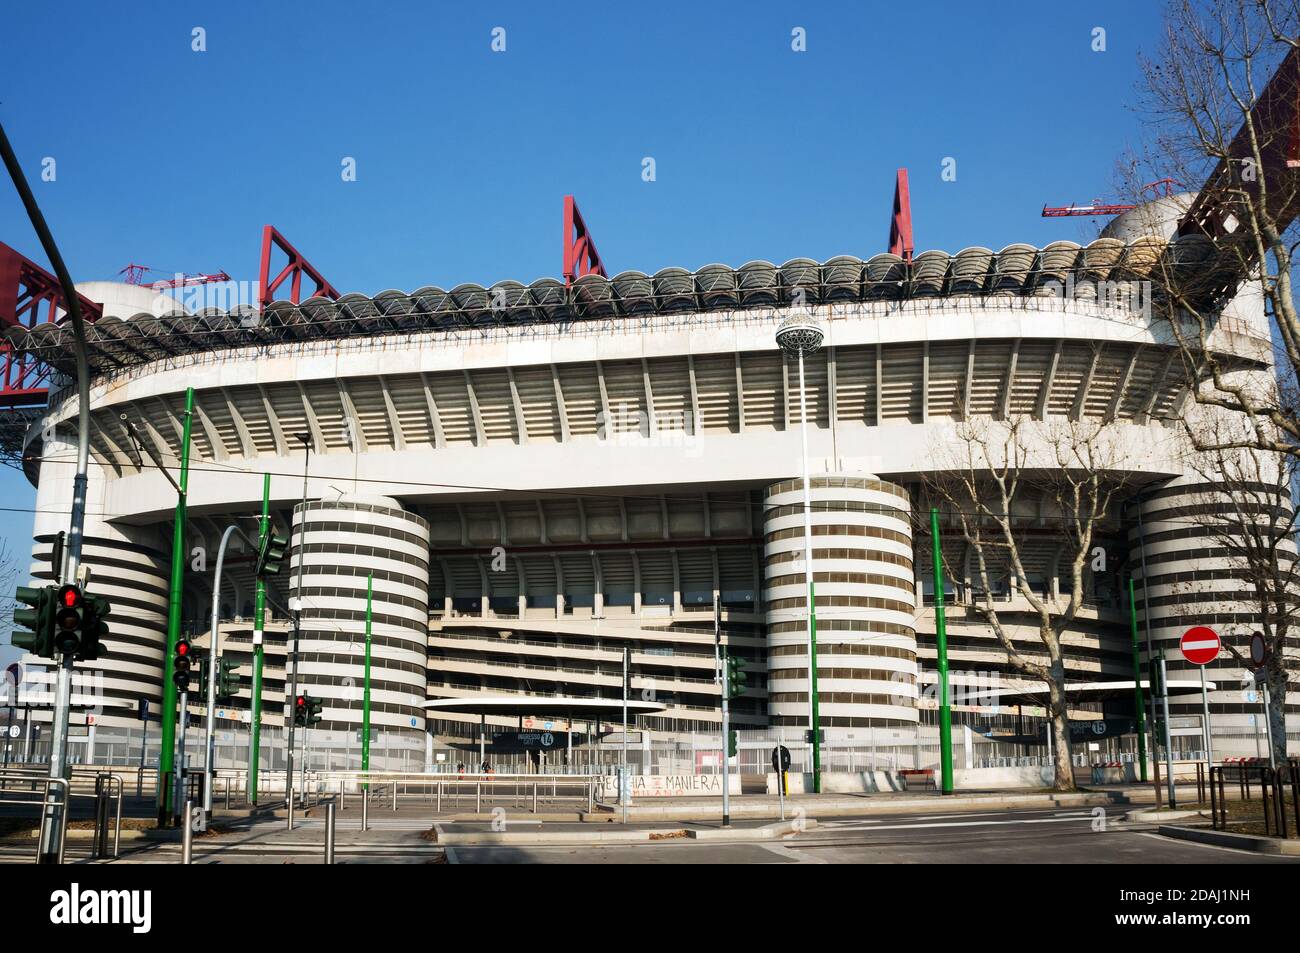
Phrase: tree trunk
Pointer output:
(1063, 779)
(1277, 679)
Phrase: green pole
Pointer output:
(1138, 703)
(259, 626)
(941, 650)
(816, 703)
(365, 698)
(167, 742)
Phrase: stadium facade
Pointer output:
(536, 477)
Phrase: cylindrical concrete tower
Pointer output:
(865, 598)
(346, 541)
(126, 567)
(1195, 575)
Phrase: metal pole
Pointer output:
(180, 748)
(814, 707)
(726, 744)
(187, 835)
(296, 609)
(167, 740)
(259, 627)
(625, 787)
(329, 833)
(1268, 727)
(52, 823)
(1205, 715)
(1146, 624)
(365, 697)
(365, 810)
(144, 742)
(1138, 704)
(210, 725)
(941, 648)
(1169, 750)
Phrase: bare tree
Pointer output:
(1249, 522)
(1002, 477)
(1217, 118)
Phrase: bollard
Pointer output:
(289, 802)
(478, 798)
(101, 817)
(534, 797)
(329, 833)
(187, 835)
(343, 795)
(439, 797)
(394, 795)
(365, 810)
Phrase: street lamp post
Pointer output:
(296, 610)
(798, 335)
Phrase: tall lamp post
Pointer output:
(295, 608)
(799, 335)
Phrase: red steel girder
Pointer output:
(1276, 121)
(293, 271)
(580, 255)
(900, 222)
(29, 295)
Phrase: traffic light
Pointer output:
(736, 677)
(313, 710)
(228, 682)
(300, 710)
(69, 609)
(270, 554)
(39, 618)
(733, 745)
(181, 663)
(94, 627)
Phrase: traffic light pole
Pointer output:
(259, 626)
(726, 742)
(180, 758)
(297, 624)
(941, 651)
(213, 664)
(167, 741)
(51, 820)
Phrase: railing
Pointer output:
(1270, 810)
(439, 789)
(46, 804)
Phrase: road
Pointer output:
(1019, 836)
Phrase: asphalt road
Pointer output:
(996, 837)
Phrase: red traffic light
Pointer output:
(182, 648)
(70, 596)
(302, 702)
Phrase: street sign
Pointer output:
(780, 758)
(1200, 645)
(15, 731)
(1258, 649)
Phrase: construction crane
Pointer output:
(1098, 207)
(135, 275)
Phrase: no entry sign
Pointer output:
(1200, 645)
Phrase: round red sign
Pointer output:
(1200, 645)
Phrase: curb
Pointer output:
(867, 805)
(1152, 816)
(554, 838)
(1250, 842)
(766, 832)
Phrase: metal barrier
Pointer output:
(107, 786)
(1273, 786)
(525, 791)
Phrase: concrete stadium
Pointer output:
(541, 475)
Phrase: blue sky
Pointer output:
(176, 159)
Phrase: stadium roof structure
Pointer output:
(1017, 270)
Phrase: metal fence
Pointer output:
(1256, 798)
